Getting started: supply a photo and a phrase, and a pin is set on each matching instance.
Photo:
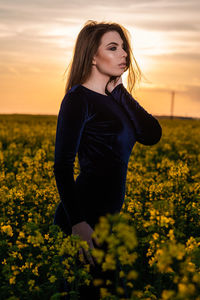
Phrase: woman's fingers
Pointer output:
(85, 231)
(89, 257)
(91, 254)
(86, 256)
(81, 255)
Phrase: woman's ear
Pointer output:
(94, 61)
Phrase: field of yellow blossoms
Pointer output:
(156, 237)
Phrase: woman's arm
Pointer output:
(147, 128)
(70, 123)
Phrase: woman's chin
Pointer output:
(118, 74)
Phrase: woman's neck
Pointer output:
(97, 82)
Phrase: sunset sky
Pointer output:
(37, 38)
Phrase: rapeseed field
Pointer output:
(156, 237)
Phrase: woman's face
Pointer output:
(110, 55)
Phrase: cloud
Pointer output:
(194, 92)
(37, 34)
(179, 56)
(156, 14)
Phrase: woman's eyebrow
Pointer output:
(114, 43)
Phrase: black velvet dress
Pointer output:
(102, 129)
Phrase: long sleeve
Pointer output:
(147, 128)
(70, 124)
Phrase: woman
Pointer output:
(101, 121)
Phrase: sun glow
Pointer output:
(145, 45)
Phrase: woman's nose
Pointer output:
(124, 53)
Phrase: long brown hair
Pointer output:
(86, 46)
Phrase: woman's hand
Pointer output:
(112, 83)
(84, 230)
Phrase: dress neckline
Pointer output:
(93, 91)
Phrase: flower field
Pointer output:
(156, 237)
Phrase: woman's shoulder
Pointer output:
(75, 94)
(74, 89)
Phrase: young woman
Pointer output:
(101, 121)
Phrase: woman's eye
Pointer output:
(113, 48)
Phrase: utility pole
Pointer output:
(172, 104)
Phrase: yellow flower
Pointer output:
(155, 236)
(20, 256)
(110, 263)
(98, 254)
(97, 281)
(129, 284)
(4, 262)
(191, 267)
(171, 235)
(70, 279)
(15, 272)
(108, 282)
(121, 274)
(104, 292)
(28, 265)
(87, 281)
(196, 277)
(167, 294)
(132, 275)
(52, 279)
(191, 244)
(149, 252)
(12, 280)
(21, 234)
(66, 264)
(31, 283)
(127, 259)
(46, 236)
(186, 289)
(177, 250)
(14, 254)
(35, 271)
(7, 229)
(120, 290)
(87, 267)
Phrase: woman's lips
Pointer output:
(122, 65)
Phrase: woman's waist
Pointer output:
(104, 167)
